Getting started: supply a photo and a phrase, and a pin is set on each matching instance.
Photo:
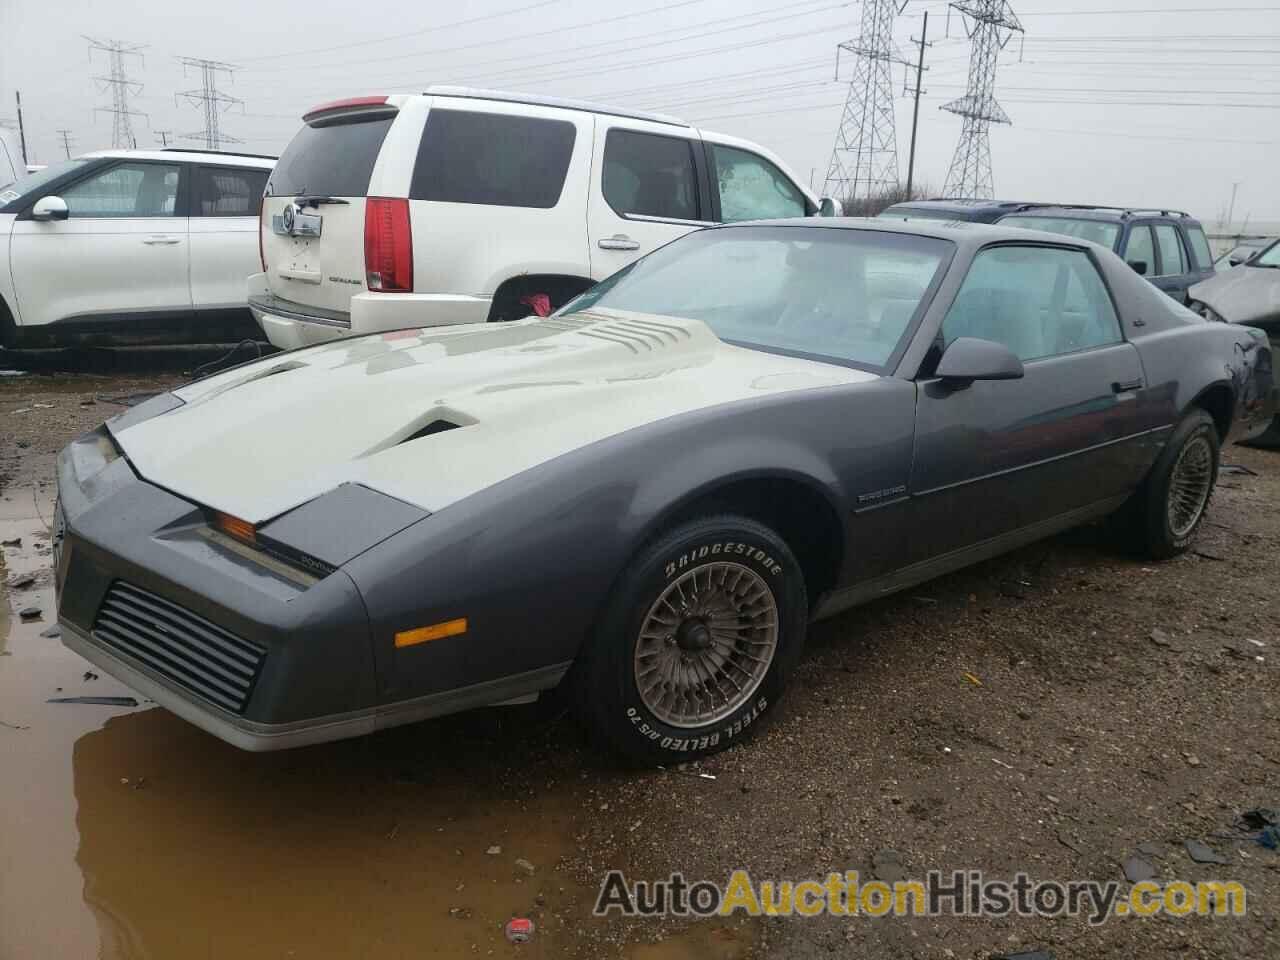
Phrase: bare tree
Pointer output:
(879, 202)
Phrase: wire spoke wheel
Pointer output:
(1189, 486)
(706, 644)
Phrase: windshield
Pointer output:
(846, 296)
(34, 182)
(1269, 257)
(1095, 230)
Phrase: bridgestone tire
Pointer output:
(710, 701)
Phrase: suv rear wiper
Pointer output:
(306, 201)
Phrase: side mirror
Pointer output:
(1236, 261)
(50, 208)
(828, 207)
(969, 359)
(1139, 267)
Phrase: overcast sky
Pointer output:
(1165, 103)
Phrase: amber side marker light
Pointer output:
(235, 527)
(437, 631)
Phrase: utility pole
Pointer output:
(164, 136)
(22, 133)
(212, 100)
(121, 87)
(1231, 211)
(864, 160)
(989, 24)
(66, 142)
(915, 112)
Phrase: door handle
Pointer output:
(1128, 386)
(619, 241)
(161, 241)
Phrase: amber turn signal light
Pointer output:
(235, 527)
(437, 631)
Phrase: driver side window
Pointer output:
(1038, 301)
(126, 190)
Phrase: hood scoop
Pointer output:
(434, 427)
(434, 421)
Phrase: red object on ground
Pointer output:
(519, 929)
(540, 302)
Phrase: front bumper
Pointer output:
(254, 651)
(289, 326)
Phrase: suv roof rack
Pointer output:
(1123, 211)
(535, 100)
(219, 153)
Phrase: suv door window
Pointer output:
(1141, 248)
(1037, 301)
(1200, 246)
(229, 191)
(752, 188)
(492, 158)
(1173, 261)
(649, 175)
(126, 190)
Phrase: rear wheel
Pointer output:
(696, 642)
(1167, 512)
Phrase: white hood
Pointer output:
(259, 440)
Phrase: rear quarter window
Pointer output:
(1200, 247)
(330, 160)
(492, 158)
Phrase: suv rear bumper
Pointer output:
(289, 325)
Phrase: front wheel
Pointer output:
(1171, 505)
(696, 642)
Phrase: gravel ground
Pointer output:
(1045, 712)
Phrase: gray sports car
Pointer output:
(649, 494)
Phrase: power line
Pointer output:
(164, 136)
(121, 87)
(403, 35)
(210, 99)
(989, 24)
(923, 44)
(65, 137)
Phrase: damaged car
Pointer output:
(1249, 294)
(648, 495)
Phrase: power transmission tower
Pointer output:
(121, 87)
(864, 161)
(212, 100)
(65, 136)
(989, 25)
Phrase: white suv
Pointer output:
(131, 246)
(460, 206)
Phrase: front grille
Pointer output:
(178, 644)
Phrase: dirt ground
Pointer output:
(1045, 712)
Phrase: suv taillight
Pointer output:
(388, 245)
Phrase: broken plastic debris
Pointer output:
(98, 701)
(1203, 853)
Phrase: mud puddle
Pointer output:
(129, 833)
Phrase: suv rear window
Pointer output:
(331, 160)
(492, 158)
(1098, 231)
